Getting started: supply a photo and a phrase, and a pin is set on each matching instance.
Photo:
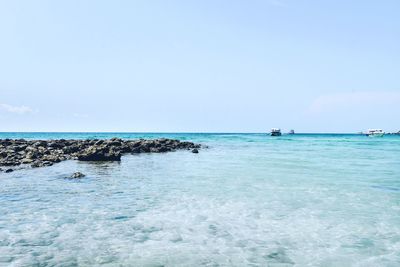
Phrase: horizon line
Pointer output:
(179, 132)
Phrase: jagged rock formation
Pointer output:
(40, 153)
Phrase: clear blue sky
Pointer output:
(209, 66)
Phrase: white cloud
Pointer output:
(354, 101)
(16, 109)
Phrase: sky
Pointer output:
(199, 66)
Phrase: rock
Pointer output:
(135, 150)
(99, 142)
(94, 153)
(161, 149)
(31, 154)
(56, 144)
(47, 163)
(77, 175)
(71, 149)
(40, 143)
(37, 164)
(26, 161)
(9, 170)
(6, 142)
(135, 143)
(40, 153)
(115, 142)
(51, 158)
(20, 147)
(144, 148)
(10, 162)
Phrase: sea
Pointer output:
(244, 200)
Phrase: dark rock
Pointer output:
(99, 142)
(125, 148)
(40, 143)
(144, 149)
(56, 144)
(10, 162)
(135, 150)
(71, 149)
(115, 142)
(41, 153)
(6, 142)
(20, 147)
(77, 175)
(51, 158)
(47, 163)
(160, 149)
(94, 153)
(9, 170)
(135, 143)
(37, 164)
(26, 161)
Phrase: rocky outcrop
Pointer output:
(40, 153)
(100, 153)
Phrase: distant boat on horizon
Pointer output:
(291, 132)
(275, 132)
(375, 133)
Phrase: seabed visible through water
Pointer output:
(247, 200)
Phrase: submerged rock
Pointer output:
(40, 163)
(77, 175)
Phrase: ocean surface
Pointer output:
(247, 200)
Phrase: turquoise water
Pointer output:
(247, 200)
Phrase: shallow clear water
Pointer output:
(247, 200)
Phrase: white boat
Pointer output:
(375, 133)
(276, 132)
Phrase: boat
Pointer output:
(291, 132)
(276, 132)
(375, 133)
